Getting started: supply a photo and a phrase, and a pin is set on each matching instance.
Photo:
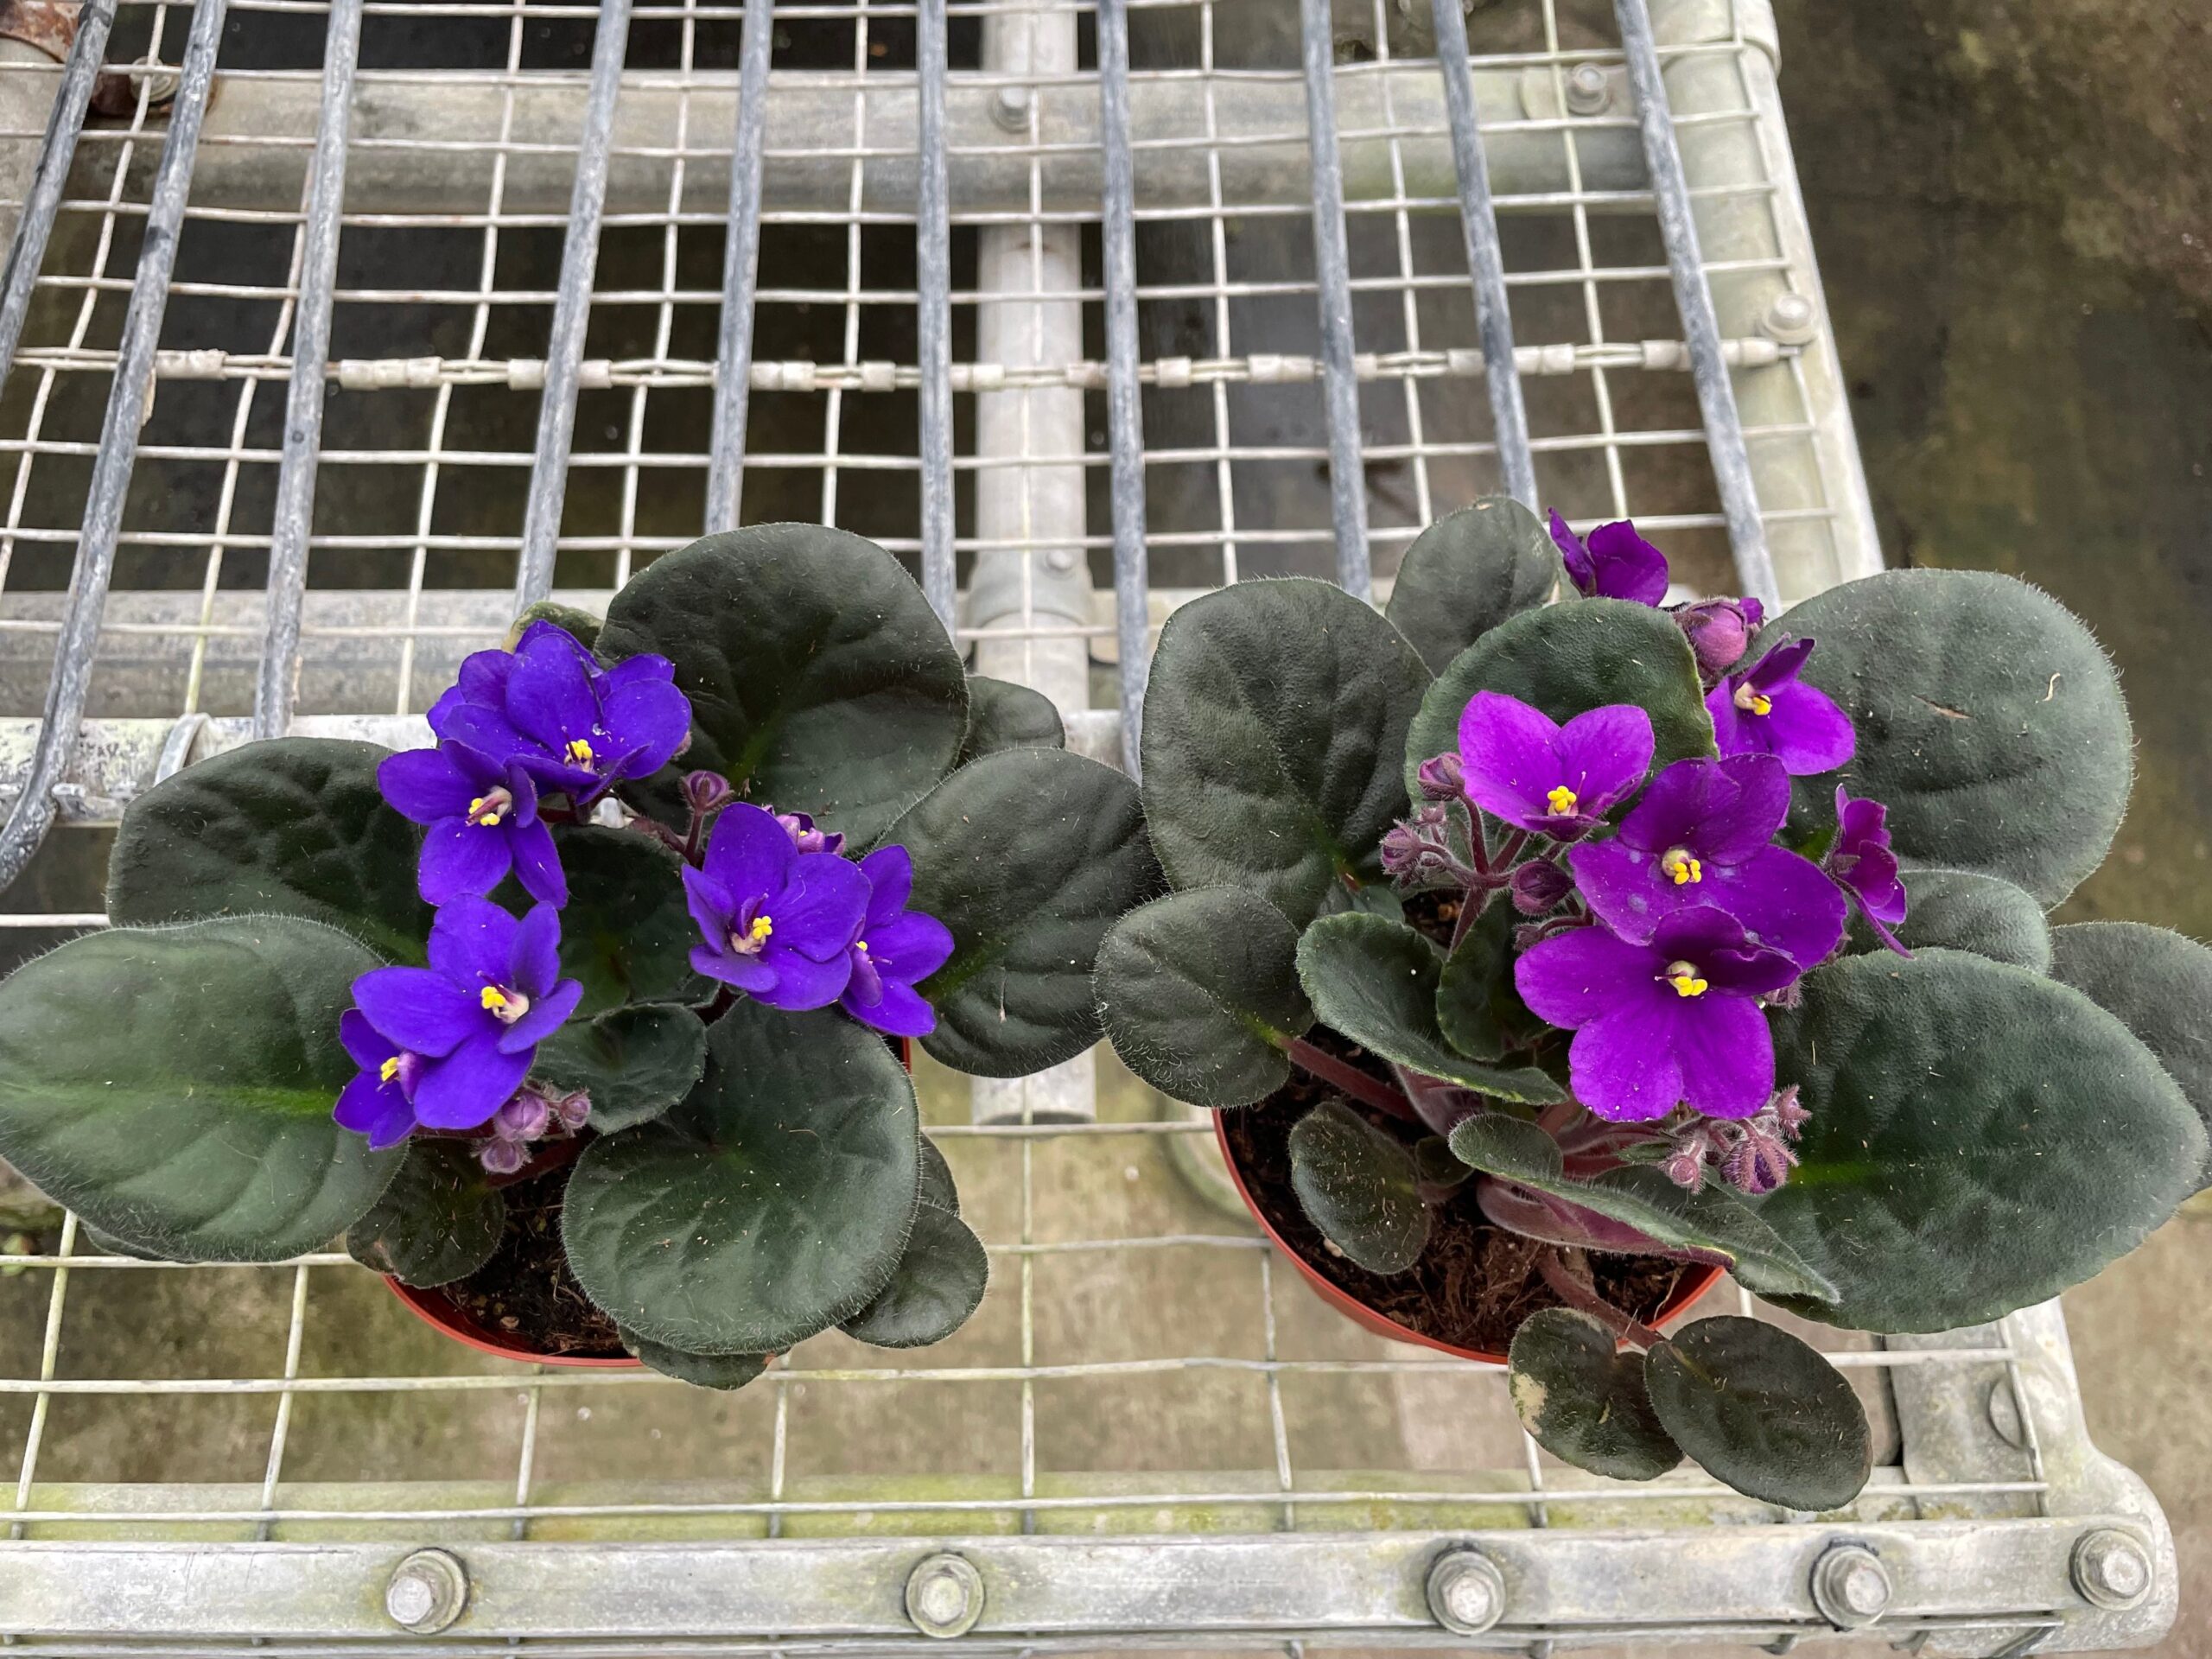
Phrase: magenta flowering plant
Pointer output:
(1698, 934)
(652, 910)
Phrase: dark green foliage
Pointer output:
(635, 1063)
(1468, 572)
(439, 1219)
(1358, 1184)
(1762, 1411)
(1584, 1400)
(626, 932)
(1478, 1009)
(1961, 910)
(1004, 715)
(2158, 983)
(726, 1372)
(939, 1282)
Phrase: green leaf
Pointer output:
(439, 1219)
(626, 933)
(772, 1203)
(820, 679)
(1477, 1008)
(940, 1281)
(1959, 910)
(1028, 855)
(1990, 723)
(1763, 1411)
(1375, 981)
(1004, 715)
(579, 625)
(1199, 992)
(1358, 1184)
(173, 1086)
(635, 1063)
(727, 1372)
(294, 827)
(1468, 572)
(1981, 1139)
(1273, 724)
(1711, 1219)
(1585, 1400)
(2158, 984)
(1566, 660)
(937, 1185)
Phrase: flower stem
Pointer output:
(1370, 1091)
(1552, 1264)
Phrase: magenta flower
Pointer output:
(577, 729)
(1719, 632)
(779, 924)
(897, 947)
(1767, 709)
(456, 1039)
(1676, 1021)
(1860, 861)
(1524, 767)
(483, 822)
(1702, 834)
(1616, 562)
(800, 826)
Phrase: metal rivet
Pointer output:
(1589, 89)
(1061, 558)
(1791, 319)
(2005, 1413)
(944, 1595)
(1851, 1586)
(2112, 1569)
(427, 1592)
(1010, 108)
(1466, 1592)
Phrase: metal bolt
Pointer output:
(1791, 320)
(2113, 1569)
(1466, 1592)
(1010, 108)
(427, 1592)
(1589, 89)
(1851, 1586)
(944, 1595)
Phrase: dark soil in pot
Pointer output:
(526, 1292)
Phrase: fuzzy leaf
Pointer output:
(772, 1203)
(1763, 1411)
(1990, 723)
(1566, 660)
(1477, 1008)
(1274, 725)
(1375, 981)
(1358, 1184)
(2158, 984)
(1961, 910)
(626, 933)
(940, 1281)
(635, 1062)
(1199, 992)
(1468, 572)
(294, 827)
(725, 1372)
(1981, 1139)
(1584, 1400)
(579, 625)
(1711, 1219)
(439, 1219)
(1028, 856)
(937, 1185)
(1004, 715)
(173, 1086)
(820, 679)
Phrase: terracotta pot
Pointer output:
(1695, 1281)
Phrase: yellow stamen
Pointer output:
(493, 999)
(1683, 866)
(1685, 980)
(762, 927)
(389, 1069)
(860, 945)
(579, 751)
(1753, 702)
(1561, 802)
(488, 810)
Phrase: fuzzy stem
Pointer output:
(1370, 1091)
(1552, 1264)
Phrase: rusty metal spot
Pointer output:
(49, 25)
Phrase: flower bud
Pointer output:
(1442, 777)
(1694, 1150)
(1538, 886)
(524, 1118)
(1788, 1116)
(1719, 632)
(1759, 1161)
(705, 791)
(570, 1111)
(1404, 850)
(501, 1157)
(800, 826)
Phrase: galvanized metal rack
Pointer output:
(1083, 307)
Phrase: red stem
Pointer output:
(1370, 1091)
(1552, 1264)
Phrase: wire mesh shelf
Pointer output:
(335, 327)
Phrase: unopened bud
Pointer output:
(1758, 1162)
(800, 826)
(502, 1157)
(1538, 886)
(570, 1111)
(1790, 1117)
(1528, 935)
(1442, 777)
(705, 791)
(1686, 1169)
(1404, 850)
(522, 1119)
(1720, 630)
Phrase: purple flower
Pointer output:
(483, 822)
(800, 826)
(456, 1039)
(1860, 861)
(1767, 709)
(575, 727)
(1441, 778)
(1671, 1022)
(1700, 836)
(1719, 632)
(1615, 563)
(1526, 768)
(779, 924)
(897, 947)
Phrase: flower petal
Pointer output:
(1627, 566)
(368, 1047)
(820, 910)
(911, 948)
(462, 1090)
(1604, 753)
(1779, 666)
(1624, 885)
(1506, 753)
(902, 1013)
(649, 718)
(370, 1106)
(482, 727)
(1783, 901)
(535, 962)
(462, 859)
(890, 873)
(1575, 977)
(1734, 732)
(425, 785)
(1807, 732)
(1574, 554)
(1746, 818)
(418, 1008)
(473, 942)
(1622, 1066)
(537, 862)
(548, 694)
(749, 974)
(748, 852)
(1726, 1055)
(801, 982)
(547, 1015)
(713, 908)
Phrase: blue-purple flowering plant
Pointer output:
(1558, 938)
(646, 918)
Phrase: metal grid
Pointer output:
(552, 288)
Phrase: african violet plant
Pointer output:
(1675, 932)
(667, 888)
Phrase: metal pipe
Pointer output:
(1124, 404)
(741, 270)
(294, 515)
(1332, 274)
(933, 312)
(34, 810)
(27, 250)
(564, 349)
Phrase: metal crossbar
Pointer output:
(1083, 310)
